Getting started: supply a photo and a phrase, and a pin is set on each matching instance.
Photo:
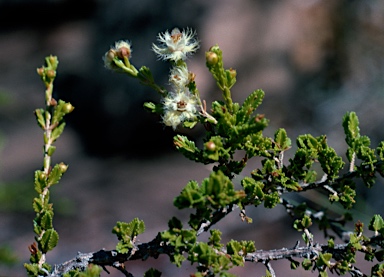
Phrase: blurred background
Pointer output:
(315, 59)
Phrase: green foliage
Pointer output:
(181, 239)
(51, 120)
(302, 224)
(91, 271)
(377, 224)
(234, 135)
(127, 233)
(215, 192)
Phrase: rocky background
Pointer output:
(315, 59)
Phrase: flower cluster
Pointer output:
(181, 104)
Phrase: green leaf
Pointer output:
(41, 203)
(215, 239)
(376, 224)
(249, 106)
(40, 181)
(32, 269)
(49, 240)
(46, 220)
(60, 111)
(324, 259)
(190, 196)
(153, 108)
(271, 200)
(40, 118)
(187, 148)
(294, 264)
(219, 190)
(307, 264)
(55, 174)
(306, 222)
(175, 223)
(126, 233)
(123, 247)
(351, 127)
(281, 140)
(57, 131)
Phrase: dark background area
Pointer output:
(315, 60)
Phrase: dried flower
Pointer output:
(179, 107)
(121, 49)
(176, 45)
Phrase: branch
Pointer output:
(156, 247)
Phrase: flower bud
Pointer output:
(51, 73)
(42, 176)
(40, 71)
(53, 102)
(67, 108)
(63, 167)
(191, 76)
(210, 146)
(124, 52)
(211, 58)
(110, 55)
(232, 72)
(53, 61)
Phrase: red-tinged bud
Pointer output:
(124, 52)
(232, 72)
(51, 73)
(210, 146)
(191, 76)
(40, 71)
(211, 58)
(53, 102)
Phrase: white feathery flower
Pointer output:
(179, 77)
(179, 107)
(176, 45)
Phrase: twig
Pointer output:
(270, 268)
